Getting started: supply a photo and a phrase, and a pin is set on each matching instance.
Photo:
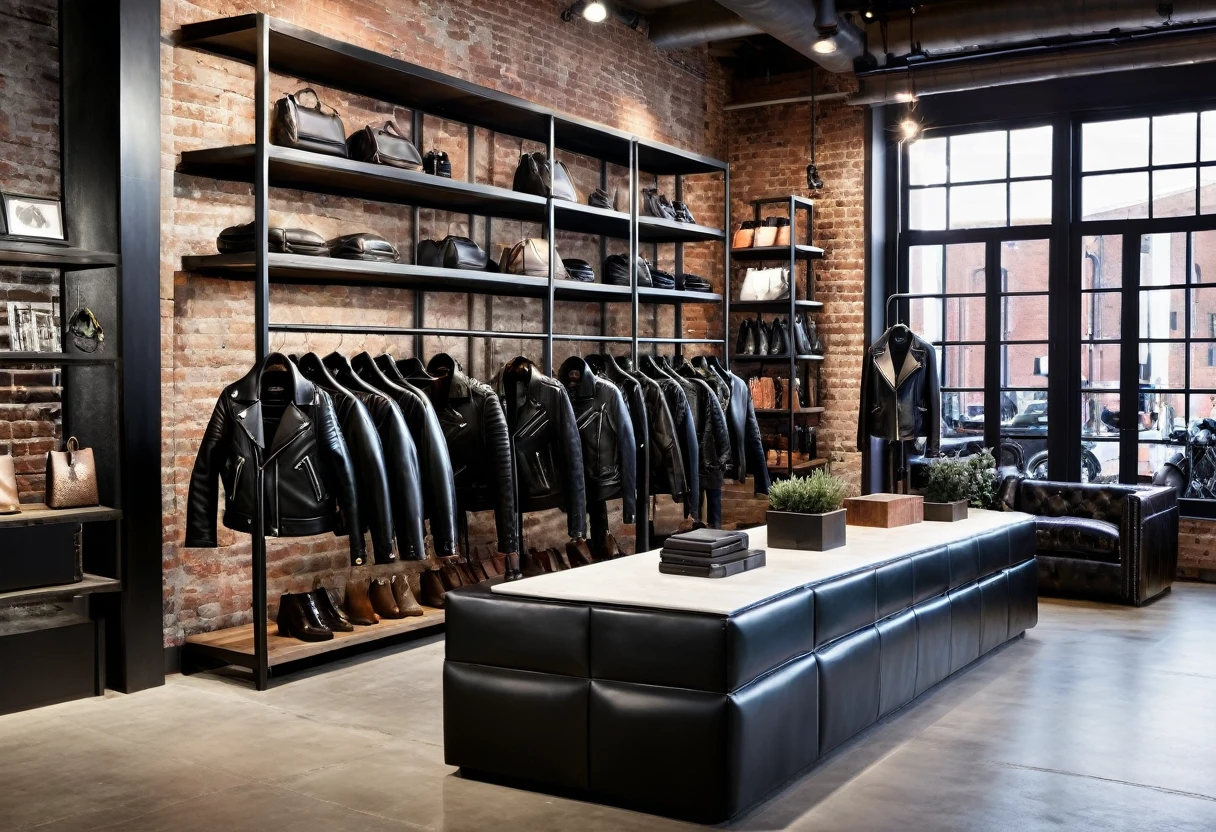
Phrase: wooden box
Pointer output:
(885, 511)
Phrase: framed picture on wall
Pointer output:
(33, 327)
(33, 216)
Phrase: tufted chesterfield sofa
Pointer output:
(1105, 542)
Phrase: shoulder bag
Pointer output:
(656, 205)
(579, 270)
(316, 128)
(239, 239)
(765, 284)
(534, 172)
(365, 246)
(530, 257)
(616, 271)
(71, 477)
(462, 253)
(384, 146)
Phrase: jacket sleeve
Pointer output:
(371, 477)
(411, 540)
(571, 460)
(692, 460)
(498, 445)
(627, 447)
(934, 392)
(203, 503)
(753, 451)
(665, 456)
(717, 423)
(331, 443)
(438, 480)
(864, 405)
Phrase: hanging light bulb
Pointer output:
(825, 45)
(595, 12)
(909, 128)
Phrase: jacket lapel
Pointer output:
(882, 361)
(250, 420)
(293, 423)
(913, 361)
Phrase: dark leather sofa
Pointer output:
(1104, 542)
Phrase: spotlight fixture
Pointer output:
(909, 128)
(593, 11)
(868, 14)
(825, 45)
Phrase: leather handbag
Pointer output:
(579, 270)
(239, 239)
(534, 173)
(765, 284)
(766, 233)
(660, 279)
(745, 236)
(437, 163)
(453, 253)
(656, 204)
(783, 231)
(318, 128)
(616, 271)
(384, 146)
(602, 199)
(530, 257)
(364, 246)
(10, 501)
(682, 213)
(71, 477)
(689, 282)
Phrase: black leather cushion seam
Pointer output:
(766, 674)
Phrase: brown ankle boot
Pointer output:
(358, 604)
(433, 591)
(381, 595)
(404, 597)
(579, 553)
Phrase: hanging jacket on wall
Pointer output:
(475, 428)
(275, 425)
(631, 389)
(900, 390)
(544, 434)
(609, 447)
(371, 476)
(686, 431)
(712, 435)
(666, 459)
(401, 458)
(746, 447)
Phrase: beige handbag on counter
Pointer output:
(10, 503)
(71, 477)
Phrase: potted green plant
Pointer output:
(956, 482)
(805, 512)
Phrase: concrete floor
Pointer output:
(1100, 719)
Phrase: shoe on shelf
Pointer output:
(407, 604)
(579, 553)
(358, 605)
(299, 618)
(433, 592)
(381, 595)
(331, 614)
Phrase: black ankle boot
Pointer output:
(299, 618)
(331, 616)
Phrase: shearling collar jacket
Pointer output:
(548, 451)
(609, 446)
(276, 427)
(900, 390)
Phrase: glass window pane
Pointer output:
(927, 209)
(1207, 136)
(1174, 139)
(1024, 365)
(1201, 406)
(925, 269)
(1174, 193)
(1024, 318)
(1163, 313)
(1030, 151)
(1203, 312)
(1164, 365)
(927, 162)
(1163, 259)
(1102, 262)
(1100, 366)
(977, 156)
(964, 319)
(977, 206)
(1161, 414)
(1207, 190)
(1030, 202)
(1097, 412)
(1024, 413)
(1101, 316)
(1203, 257)
(1100, 463)
(1203, 366)
(926, 318)
(1109, 145)
(1116, 196)
(1150, 457)
(965, 268)
(962, 366)
(1025, 265)
(963, 413)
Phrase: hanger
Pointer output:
(622, 361)
(676, 361)
(712, 361)
(415, 371)
(388, 366)
(313, 369)
(365, 367)
(649, 366)
(339, 365)
(597, 362)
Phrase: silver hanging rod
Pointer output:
(802, 99)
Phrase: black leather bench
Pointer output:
(702, 716)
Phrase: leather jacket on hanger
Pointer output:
(400, 457)
(631, 389)
(544, 434)
(609, 447)
(666, 460)
(686, 431)
(276, 426)
(900, 390)
(712, 435)
(363, 441)
(475, 427)
(746, 447)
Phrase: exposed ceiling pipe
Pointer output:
(1114, 54)
(799, 99)
(697, 23)
(795, 22)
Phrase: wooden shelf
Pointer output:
(91, 585)
(775, 253)
(773, 359)
(37, 514)
(15, 252)
(781, 411)
(798, 466)
(235, 644)
(773, 305)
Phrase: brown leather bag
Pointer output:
(10, 502)
(530, 257)
(71, 477)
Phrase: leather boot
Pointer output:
(433, 593)
(299, 618)
(381, 595)
(404, 597)
(468, 574)
(331, 615)
(510, 569)
(746, 343)
(558, 558)
(358, 604)
(529, 564)
(579, 553)
(760, 333)
(612, 549)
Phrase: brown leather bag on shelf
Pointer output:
(10, 501)
(530, 257)
(71, 477)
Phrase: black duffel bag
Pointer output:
(661, 279)
(579, 270)
(308, 128)
(365, 246)
(616, 271)
(239, 239)
(534, 173)
(453, 253)
(689, 282)
(384, 146)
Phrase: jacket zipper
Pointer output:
(236, 478)
(306, 463)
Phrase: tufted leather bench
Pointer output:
(1105, 542)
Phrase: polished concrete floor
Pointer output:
(1100, 719)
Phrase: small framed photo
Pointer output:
(33, 326)
(33, 216)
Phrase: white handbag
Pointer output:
(765, 284)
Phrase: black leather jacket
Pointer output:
(275, 426)
(609, 447)
(903, 403)
(684, 421)
(475, 427)
(548, 452)
(666, 458)
(606, 367)
(746, 447)
(712, 435)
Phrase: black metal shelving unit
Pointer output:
(274, 46)
(797, 366)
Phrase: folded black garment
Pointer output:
(239, 239)
(661, 279)
(579, 270)
(707, 542)
(753, 559)
(688, 282)
(616, 271)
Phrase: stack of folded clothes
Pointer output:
(709, 553)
